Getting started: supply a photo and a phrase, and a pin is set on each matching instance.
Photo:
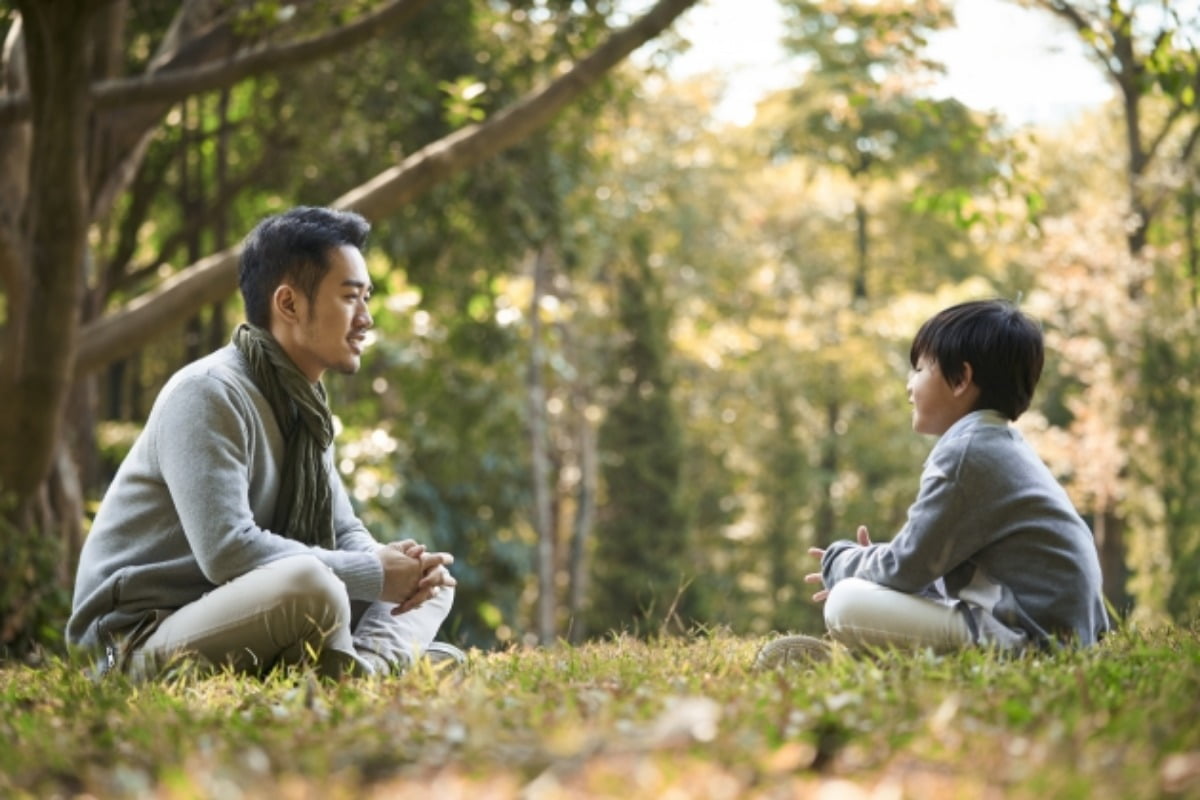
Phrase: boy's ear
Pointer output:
(283, 303)
(968, 374)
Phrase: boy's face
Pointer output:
(937, 404)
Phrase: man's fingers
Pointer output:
(817, 552)
(813, 577)
(416, 600)
(864, 538)
(431, 561)
(437, 577)
(820, 596)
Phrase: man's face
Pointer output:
(334, 323)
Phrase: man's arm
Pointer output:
(203, 447)
(349, 530)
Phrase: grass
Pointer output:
(628, 719)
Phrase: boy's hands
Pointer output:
(411, 574)
(864, 540)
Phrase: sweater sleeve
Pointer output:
(930, 544)
(351, 534)
(203, 444)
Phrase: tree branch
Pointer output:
(171, 86)
(1081, 24)
(177, 85)
(123, 330)
(1155, 205)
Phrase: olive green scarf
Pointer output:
(304, 508)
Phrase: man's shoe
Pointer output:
(443, 653)
(796, 650)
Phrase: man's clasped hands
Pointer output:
(412, 574)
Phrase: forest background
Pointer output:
(630, 361)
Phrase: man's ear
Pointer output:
(964, 383)
(284, 304)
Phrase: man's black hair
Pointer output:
(293, 247)
(1002, 344)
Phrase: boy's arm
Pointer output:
(930, 544)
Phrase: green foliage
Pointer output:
(1170, 362)
(640, 575)
(33, 603)
(670, 717)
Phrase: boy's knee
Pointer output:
(847, 601)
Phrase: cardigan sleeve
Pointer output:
(937, 536)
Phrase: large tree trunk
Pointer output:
(43, 253)
(47, 281)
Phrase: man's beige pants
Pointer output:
(293, 611)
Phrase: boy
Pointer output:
(993, 553)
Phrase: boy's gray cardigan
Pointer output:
(191, 507)
(994, 532)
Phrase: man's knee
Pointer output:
(306, 584)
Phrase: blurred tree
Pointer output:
(859, 110)
(640, 580)
(1148, 51)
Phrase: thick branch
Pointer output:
(121, 332)
(175, 85)
(171, 86)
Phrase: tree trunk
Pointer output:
(1193, 247)
(44, 277)
(861, 248)
(1110, 544)
(44, 309)
(543, 521)
(585, 516)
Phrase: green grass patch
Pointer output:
(628, 719)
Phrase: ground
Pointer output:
(674, 717)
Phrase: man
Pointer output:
(227, 535)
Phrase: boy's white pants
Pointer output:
(860, 614)
(293, 611)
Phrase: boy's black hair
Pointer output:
(293, 246)
(1002, 344)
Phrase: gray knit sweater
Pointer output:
(191, 507)
(992, 531)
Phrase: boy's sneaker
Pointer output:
(796, 650)
(443, 653)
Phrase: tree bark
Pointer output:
(39, 356)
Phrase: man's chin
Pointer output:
(349, 367)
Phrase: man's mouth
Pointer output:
(357, 340)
